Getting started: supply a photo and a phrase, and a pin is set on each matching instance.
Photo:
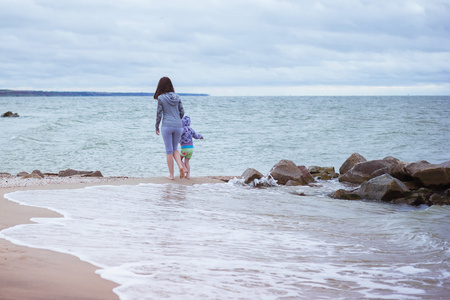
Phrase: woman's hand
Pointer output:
(157, 132)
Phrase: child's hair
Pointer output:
(164, 86)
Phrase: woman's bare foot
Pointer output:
(170, 177)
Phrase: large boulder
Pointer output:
(430, 175)
(364, 171)
(352, 161)
(286, 170)
(251, 174)
(384, 187)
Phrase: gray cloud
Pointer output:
(216, 46)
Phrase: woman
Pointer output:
(170, 109)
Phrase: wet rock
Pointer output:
(286, 170)
(323, 173)
(251, 174)
(21, 174)
(344, 195)
(10, 114)
(430, 175)
(447, 192)
(384, 187)
(364, 171)
(437, 199)
(397, 168)
(4, 174)
(224, 178)
(352, 161)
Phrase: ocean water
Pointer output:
(230, 241)
(116, 135)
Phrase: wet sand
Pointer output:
(29, 273)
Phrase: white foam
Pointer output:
(230, 241)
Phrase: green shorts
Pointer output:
(186, 152)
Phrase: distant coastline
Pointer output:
(25, 93)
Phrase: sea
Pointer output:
(231, 240)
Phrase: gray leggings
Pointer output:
(171, 137)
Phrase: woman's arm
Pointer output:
(159, 114)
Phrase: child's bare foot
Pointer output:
(181, 173)
(187, 177)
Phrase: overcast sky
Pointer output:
(228, 47)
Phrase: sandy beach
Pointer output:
(29, 273)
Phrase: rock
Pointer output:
(384, 187)
(50, 174)
(353, 160)
(437, 199)
(344, 195)
(9, 114)
(323, 173)
(251, 174)
(39, 173)
(397, 168)
(430, 175)
(33, 175)
(224, 178)
(71, 172)
(4, 174)
(293, 183)
(286, 170)
(21, 174)
(373, 168)
(94, 174)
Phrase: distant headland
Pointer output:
(18, 93)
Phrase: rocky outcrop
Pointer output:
(367, 170)
(384, 187)
(430, 175)
(390, 179)
(71, 172)
(352, 161)
(287, 171)
(65, 173)
(250, 175)
(10, 114)
(323, 173)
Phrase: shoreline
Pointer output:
(32, 273)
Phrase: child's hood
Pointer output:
(186, 121)
(171, 97)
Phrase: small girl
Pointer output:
(187, 145)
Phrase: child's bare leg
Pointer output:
(188, 168)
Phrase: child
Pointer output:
(187, 145)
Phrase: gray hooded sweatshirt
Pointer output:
(170, 109)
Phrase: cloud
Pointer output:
(224, 46)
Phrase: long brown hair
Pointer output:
(164, 86)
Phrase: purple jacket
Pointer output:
(188, 133)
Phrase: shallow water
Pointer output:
(227, 241)
(116, 134)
